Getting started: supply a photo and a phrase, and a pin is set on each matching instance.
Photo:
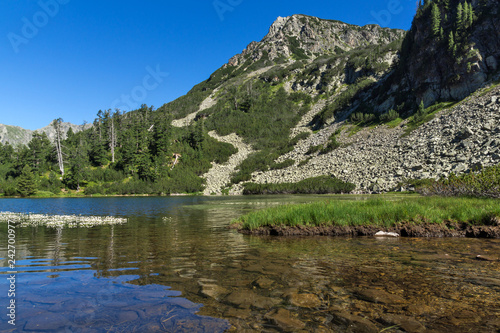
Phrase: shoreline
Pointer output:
(406, 217)
(422, 230)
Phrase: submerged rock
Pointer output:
(246, 298)
(410, 325)
(379, 296)
(213, 291)
(355, 324)
(305, 300)
(284, 320)
(263, 282)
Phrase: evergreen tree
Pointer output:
(446, 4)
(459, 16)
(436, 20)
(40, 152)
(97, 152)
(55, 183)
(451, 42)
(6, 153)
(26, 182)
(465, 15)
(470, 16)
(198, 135)
(76, 177)
(162, 134)
(144, 167)
(420, 114)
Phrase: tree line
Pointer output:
(122, 153)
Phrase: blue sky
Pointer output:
(70, 58)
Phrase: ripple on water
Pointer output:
(77, 301)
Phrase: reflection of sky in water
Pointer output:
(77, 301)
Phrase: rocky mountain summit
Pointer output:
(303, 37)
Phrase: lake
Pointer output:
(176, 267)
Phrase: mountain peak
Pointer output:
(302, 37)
(278, 25)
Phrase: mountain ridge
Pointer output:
(16, 135)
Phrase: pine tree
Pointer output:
(75, 177)
(465, 15)
(451, 42)
(436, 20)
(26, 182)
(459, 16)
(40, 152)
(420, 113)
(470, 16)
(198, 135)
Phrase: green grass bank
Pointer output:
(444, 213)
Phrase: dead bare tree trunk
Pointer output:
(176, 160)
(57, 126)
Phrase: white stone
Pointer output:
(386, 234)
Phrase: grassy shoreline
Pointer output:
(376, 212)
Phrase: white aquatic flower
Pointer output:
(59, 221)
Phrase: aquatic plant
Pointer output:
(59, 221)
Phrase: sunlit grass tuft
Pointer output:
(377, 212)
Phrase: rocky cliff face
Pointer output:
(304, 37)
(15, 135)
(436, 70)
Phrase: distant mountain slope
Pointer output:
(16, 135)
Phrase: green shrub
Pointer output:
(316, 185)
(282, 165)
(341, 102)
(389, 116)
(485, 183)
(314, 149)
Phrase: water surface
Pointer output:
(175, 267)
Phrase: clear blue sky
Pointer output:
(70, 58)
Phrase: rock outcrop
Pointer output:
(304, 36)
(16, 135)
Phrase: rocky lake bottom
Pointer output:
(175, 267)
